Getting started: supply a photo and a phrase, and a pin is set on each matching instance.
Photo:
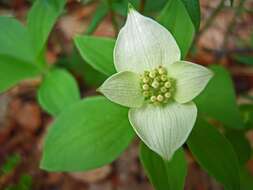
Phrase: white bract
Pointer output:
(155, 84)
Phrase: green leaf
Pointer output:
(10, 164)
(245, 59)
(89, 79)
(175, 18)
(41, 19)
(215, 154)
(151, 6)
(58, 91)
(169, 175)
(121, 6)
(13, 70)
(89, 134)
(154, 6)
(100, 13)
(193, 9)
(14, 40)
(25, 183)
(86, 2)
(246, 179)
(16, 54)
(80, 68)
(240, 144)
(98, 52)
(247, 115)
(218, 100)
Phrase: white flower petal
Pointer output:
(143, 44)
(123, 88)
(190, 78)
(164, 129)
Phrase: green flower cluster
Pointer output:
(157, 87)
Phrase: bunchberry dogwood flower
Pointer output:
(156, 86)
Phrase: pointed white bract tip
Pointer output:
(130, 8)
(98, 89)
(163, 129)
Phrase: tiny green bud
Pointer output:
(145, 93)
(157, 79)
(153, 98)
(163, 89)
(157, 87)
(145, 79)
(145, 87)
(161, 71)
(146, 73)
(152, 74)
(167, 94)
(164, 77)
(167, 84)
(160, 98)
(155, 84)
(157, 103)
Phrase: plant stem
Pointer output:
(142, 6)
(113, 18)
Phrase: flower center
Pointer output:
(157, 87)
